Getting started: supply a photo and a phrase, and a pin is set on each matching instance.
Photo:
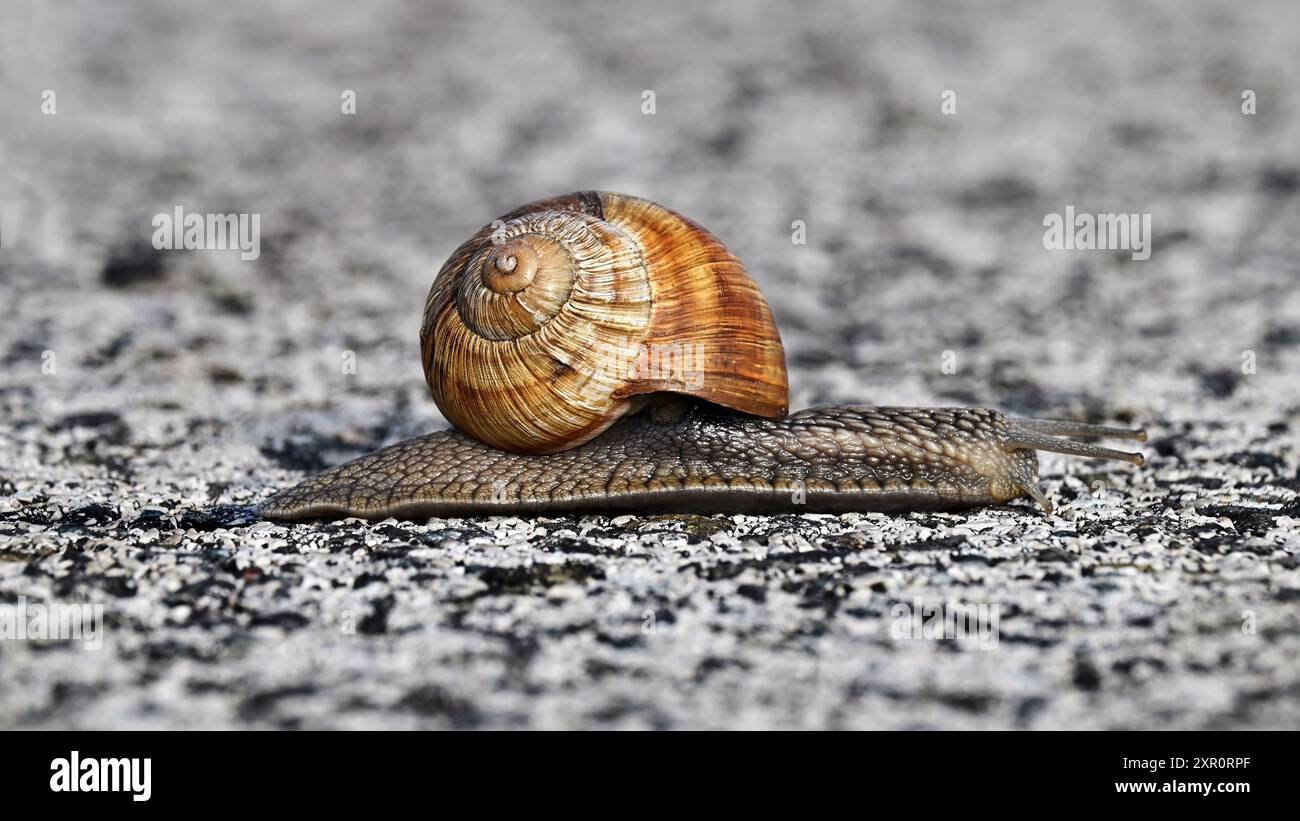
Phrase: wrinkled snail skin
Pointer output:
(600, 352)
(822, 460)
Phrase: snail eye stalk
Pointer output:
(1045, 435)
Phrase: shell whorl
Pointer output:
(547, 326)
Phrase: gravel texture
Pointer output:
(146, 398)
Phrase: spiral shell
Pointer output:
(547, 326)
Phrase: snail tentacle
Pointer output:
(1060, 427)
(1031, 434)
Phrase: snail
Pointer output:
(599, 352)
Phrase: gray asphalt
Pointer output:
(145, 396)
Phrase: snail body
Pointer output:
(599, 352)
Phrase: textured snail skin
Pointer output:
(694, 459)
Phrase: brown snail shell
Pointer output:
(549, 325)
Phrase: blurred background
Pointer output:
(138, 379)
(924, 229)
